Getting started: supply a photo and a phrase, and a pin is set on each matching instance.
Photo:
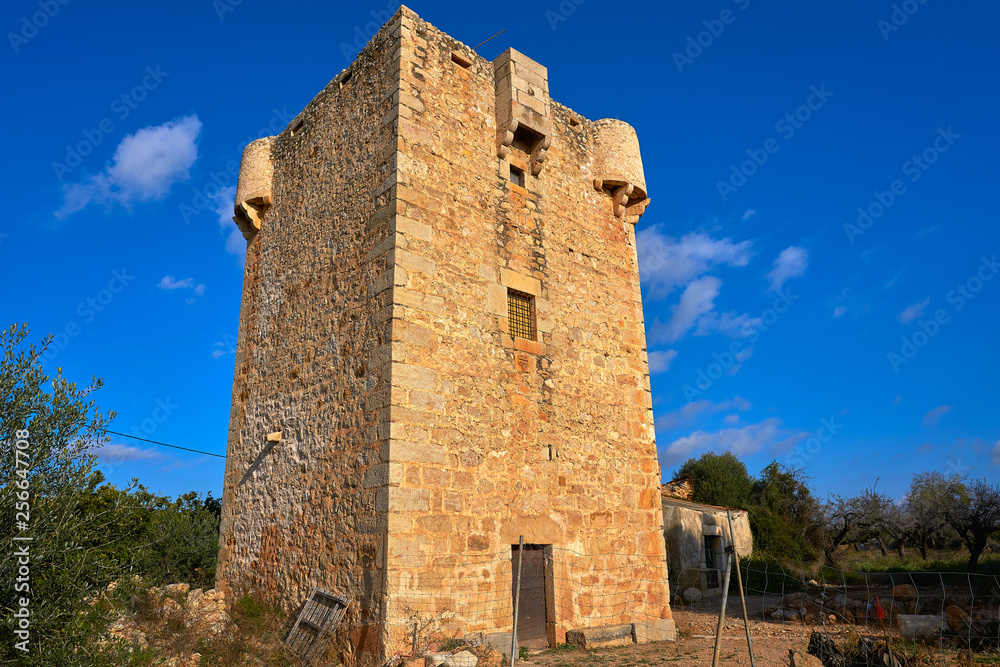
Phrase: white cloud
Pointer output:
(224, 201)
(913, 312)
(666, 263)
(697, 300)
(791, 263)
(839, 310)
(749, 214)
(691, 411)
(996, 453)
(934, 416)
(659, 362)
(729, 324)
(143, 168)
(114, 453)
(170, 283)
(767, 435)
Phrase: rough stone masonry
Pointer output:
(389, 438)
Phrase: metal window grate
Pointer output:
(521, 314)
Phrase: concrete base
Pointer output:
(663, 630)
(601, 637)
(499, 641)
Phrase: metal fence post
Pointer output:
(722, 612)
(739, 582)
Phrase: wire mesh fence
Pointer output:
(891, 619)
(843, 618)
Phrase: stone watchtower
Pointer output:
(441, 349)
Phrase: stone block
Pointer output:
(601, 637)
(410, 227)
(914, 626)
(800, 659)
(402, 499)
(461, 659)
(499, 642)
(496, 299)
(520, 282)
(662, 630)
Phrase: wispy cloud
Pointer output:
(730, 324)
(996, 454)
(934, 416)
(143, 168)
(749, 214)
(697, 300)
(666, 263)
(115, 453)
(913, 312)
(691, 411)
(839, 310)
(769, 435)
(170, 283)
(659, 362)
(791, 263)
(183, 465)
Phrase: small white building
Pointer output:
(696, 536)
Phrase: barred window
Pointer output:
(521, 314)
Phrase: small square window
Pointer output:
(521, 314)
(516, 176)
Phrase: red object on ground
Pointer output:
(879, 614)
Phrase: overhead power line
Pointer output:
(163, 444)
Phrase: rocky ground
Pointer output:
(772, 641)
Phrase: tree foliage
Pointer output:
(84, 533)
(784, 515)
(719, 479)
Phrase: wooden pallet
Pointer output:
(316, 625)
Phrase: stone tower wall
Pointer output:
(493, 438)
(300, 508)
(388, 439)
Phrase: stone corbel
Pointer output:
(538, 155)
(505, 137)
(249, 214)
(622, 200)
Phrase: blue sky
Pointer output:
(818, 260)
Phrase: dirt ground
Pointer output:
(695, 643)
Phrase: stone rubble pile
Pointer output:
(175, 605)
